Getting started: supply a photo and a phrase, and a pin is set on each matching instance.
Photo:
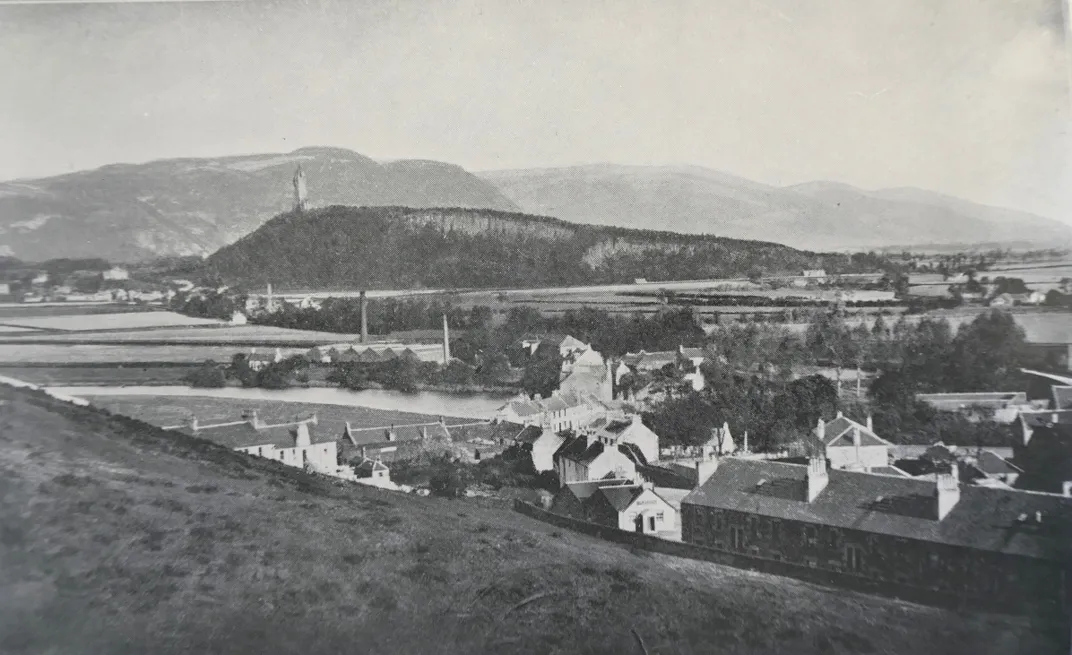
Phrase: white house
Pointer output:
(116, 273)
(259, 361)
(293, 444)
(238, 318)
(627, 430)
(583, 458)
(374, 473)
(541, 444)
(562, 411)
(850, 445)
(618, 503)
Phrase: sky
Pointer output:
(965, 97)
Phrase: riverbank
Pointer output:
(430, 403)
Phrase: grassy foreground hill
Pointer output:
(116, 537)
(398, 247)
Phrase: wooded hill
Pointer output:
(398, 247)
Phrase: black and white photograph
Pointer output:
(549, 327)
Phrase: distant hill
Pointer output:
(397, 247)
(816, 215)
(127, 212)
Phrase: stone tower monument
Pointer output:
(299, 190)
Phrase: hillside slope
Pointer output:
(817, 216)
(125, 212)
(396, 247)
(119, 538)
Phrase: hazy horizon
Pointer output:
(969, 98)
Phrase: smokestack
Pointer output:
(364, 318)
(816, 477)
(446, 341)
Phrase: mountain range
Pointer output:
(128, 212)
(816, 215)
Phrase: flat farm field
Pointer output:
(113, 321)
(118, 354)
(164, 411)
(99, 375)
(207, 334)
(23, 310)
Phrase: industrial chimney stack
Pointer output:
(364, 318)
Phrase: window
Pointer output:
(854, 558)
(811, 534)
(659, 517)
(737, 536)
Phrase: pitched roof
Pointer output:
(583, 490)
(838, 432)
(620, 498)
(984, 518)
(371, 465)
(1047, 417)
(529, 435)
(993, 464)
(1062, 397)
(242, 434)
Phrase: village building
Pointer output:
(850, 445)
(374, 473)
(624, 430)
(584, 457)
(396, 444)
(686, 360)
(617, 503)
(540, 445)
(564, 343)
(561, 411)
(294, 444)
(586, 372)
(1003, 406)
(238, 318)
(1043, 450)
(967, 541)
(260, 361)
(116, 273)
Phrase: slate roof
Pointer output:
(838, 432)
(529, 435)
(997, 520)
(244, 435)
(992, 464)
(577, 449)
(583, 490)
(1062, 397)
(644, 359)
(620, 498)
(1046, 417)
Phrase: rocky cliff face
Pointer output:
(127, 212)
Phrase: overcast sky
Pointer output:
(967, 97)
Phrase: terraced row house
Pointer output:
(933, 534)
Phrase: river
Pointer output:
(435, 403)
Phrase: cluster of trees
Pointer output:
(773, 411)
(449, 477)
(383, 316)
(277, 375)
(207, 304)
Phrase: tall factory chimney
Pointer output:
(446, 341)
(364, 318)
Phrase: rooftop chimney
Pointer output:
(820, 430)
(348, 432)
(192, 423)
(946, 492)
(301, 436)
(446, 341)
(255, 420)
(1066, 488)
(870, 425)
(390, 433)
(856, 436)
(364, 318)
(839, 414)
(424, 433)
(315, 420)
(816, 477)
